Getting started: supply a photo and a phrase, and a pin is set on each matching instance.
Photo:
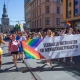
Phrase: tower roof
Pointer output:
(4, 15)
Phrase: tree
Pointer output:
(17, 27)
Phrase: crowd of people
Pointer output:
(16, 49)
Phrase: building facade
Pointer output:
(46, 14)
(71, 12)
(27, 9)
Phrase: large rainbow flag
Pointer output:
(29, 49)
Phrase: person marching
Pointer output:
(22, 37)
(1, 51)
(49, 34)
(13, 48)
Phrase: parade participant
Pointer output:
(63, 34)
(44, 35)
(39, 35)
(22, 38)
(33, 36)
(49, 34)
(1, 51)
(13, 47)
(70, 32)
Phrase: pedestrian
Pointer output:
(1, 51)
(49, 35)
(70, 32)
(21, 51)
(13, 48)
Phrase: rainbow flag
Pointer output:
(68, 24)
(29, 49)
(21, 27)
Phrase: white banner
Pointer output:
(61, 46)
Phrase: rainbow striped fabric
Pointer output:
(29, 49)
(21, 27)
(68, 24)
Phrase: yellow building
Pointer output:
(71, 12)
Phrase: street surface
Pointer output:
(9, 73)
(38, 68)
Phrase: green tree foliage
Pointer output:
(17, 27)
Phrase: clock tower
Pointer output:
(5, 20)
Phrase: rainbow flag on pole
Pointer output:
(68, 24)
(29, 49)
(21, 27)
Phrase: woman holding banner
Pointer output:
(21, 52)
(49, 34)
(70, 32)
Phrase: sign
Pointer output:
(59, 47)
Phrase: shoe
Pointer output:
(72, 62)
(1, 68)
(16, 69)
(64, 60)
(23, 61)
(19, 59)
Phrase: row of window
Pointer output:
(36, 23)
(37, 2)
(47, 11)
(47, 21)
(76, 8)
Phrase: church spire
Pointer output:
(4, 15)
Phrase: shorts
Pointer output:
(1, 51)
(16, 52)
(21, 50)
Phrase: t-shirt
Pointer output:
(14, 45)
(17, 37)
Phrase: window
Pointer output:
(76, 7)
(47, 21)
(37, 23)
(37, 12)
(33, 6)
(47, 9)
(37, 2)
(40, 10)
(58, 21)
(76, 11)
(46, 0)
(58, 1)
(70, 12)
(40, 22)
(76, 3)
(68, 8)
(70, 4)
(40, 1)
(58, 10)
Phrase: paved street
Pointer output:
(59, 71)
(38, 68)
(9, 73)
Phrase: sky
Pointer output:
(15, 10)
